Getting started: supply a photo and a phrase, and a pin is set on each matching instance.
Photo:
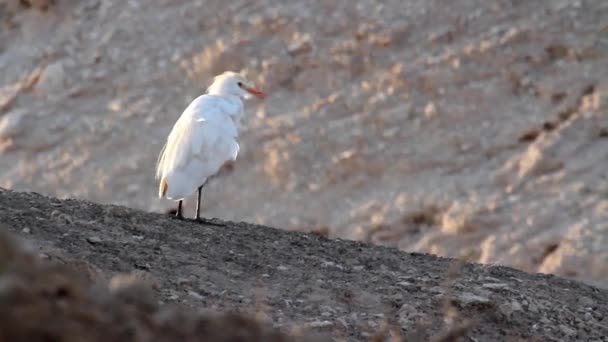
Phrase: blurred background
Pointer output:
(464, 128)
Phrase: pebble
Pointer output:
(567, 330)
(12, 124)
(196, 295)
(430, 110)
(53, 78)
(115, 105)
(183, 281)
(437, 289)
(26, 230)
(495, 285)
(299, 47)
(342, 322)
(331, 264)
(508, 308)
(469, 298)
(320, 324)
(145, 266)
(94, 240)
(586, 301)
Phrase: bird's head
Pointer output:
(232, 83)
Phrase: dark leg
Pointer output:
(198, 203)
(179, 210)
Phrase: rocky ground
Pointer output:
(298, 282)
(461, 128)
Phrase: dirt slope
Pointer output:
(464, 127)
(329, 286)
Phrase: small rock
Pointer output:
(567, 330)
(533, 308)
(146, 266)
(331, 264)
(469, 298)
(320, 324)
(94, 240)
(26, 230)
(115, 105)
(342, 322)
(495, 285)
(196, 295)
(303, 45)
(508, 308)
(430, 110)
(11, 124)
(53, 78)
(586, 301)
(183, 281)
(282, 268)
(437, 289)
(407, 309)
(391, 132)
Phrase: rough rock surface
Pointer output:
(462, 128)
(53, 300)
(292, 279)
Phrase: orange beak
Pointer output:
(255, 92)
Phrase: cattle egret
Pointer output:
(203, 139)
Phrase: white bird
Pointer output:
(203, 139)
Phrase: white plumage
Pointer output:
(203, 139)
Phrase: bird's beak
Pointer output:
(255, 92)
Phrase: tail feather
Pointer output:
(162, 188)
(160, 162)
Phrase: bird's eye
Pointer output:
(240, 84)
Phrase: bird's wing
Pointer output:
(204, 131)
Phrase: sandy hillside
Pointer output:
(464, 127)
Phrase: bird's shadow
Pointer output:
(172, 213)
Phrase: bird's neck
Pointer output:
(234, 105)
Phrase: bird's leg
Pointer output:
(198, 203)
(179, 210)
